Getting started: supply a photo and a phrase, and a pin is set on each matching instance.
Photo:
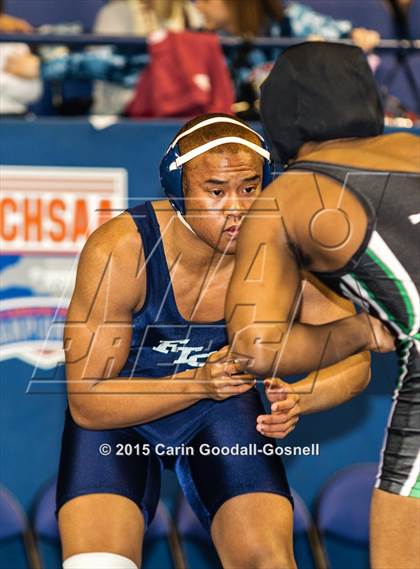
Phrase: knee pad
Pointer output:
(100, 560)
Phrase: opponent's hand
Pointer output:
(285, 409)
(381, 339)
(217, 377)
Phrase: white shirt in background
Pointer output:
(16, 93)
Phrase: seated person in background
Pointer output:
(10, 24)
(16, 92)
(116, 70)
(270, 18)
(140, 18)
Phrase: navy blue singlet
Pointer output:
(164, 343)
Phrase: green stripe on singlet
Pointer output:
(405, 342)
(403, 361)
(406, 299)
(415, 491)
(371, 295)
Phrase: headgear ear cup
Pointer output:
(171, 170)
(171, 179)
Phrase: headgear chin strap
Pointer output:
(171, 167)
(184, 222)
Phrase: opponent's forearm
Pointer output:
(122, 402)
(334, 385)
(276, 350)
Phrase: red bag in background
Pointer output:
(187, 75)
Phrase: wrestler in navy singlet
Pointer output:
(164, 343)
(384, 277)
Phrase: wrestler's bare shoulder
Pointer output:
(112, 260)
(396, 152)
(116, 244)
(400, 150)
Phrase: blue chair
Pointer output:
(161, 525)
(163, 530)
(302, 520)
(44, 521)
(188, 524)
(343, 506)
(46, 528)
(190, 529)
(14, 525)
(197, 548)
(305, 534)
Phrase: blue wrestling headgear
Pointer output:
(171, 167)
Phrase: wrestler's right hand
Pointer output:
(221, 377)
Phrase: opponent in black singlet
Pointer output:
(384, 276)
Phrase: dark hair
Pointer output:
(252, 16)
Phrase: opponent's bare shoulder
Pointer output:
(394, 152)
(400, 150)
(288, 196)
(113, 259)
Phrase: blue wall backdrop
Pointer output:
(31, 423)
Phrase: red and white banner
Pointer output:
(46, 215)
(53, 210)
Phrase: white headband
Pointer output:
(217, 142)
(213, 121)
(212, 144)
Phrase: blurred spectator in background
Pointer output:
(140, 18)
(404, 5)
(10, 24)
(399, 10)
(115, 69)
(16, 92)
(404, 65)
(271, 18)
(187, 76)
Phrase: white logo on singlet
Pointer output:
(415, 218)
(187, 355)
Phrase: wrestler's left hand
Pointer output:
(285, 409)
